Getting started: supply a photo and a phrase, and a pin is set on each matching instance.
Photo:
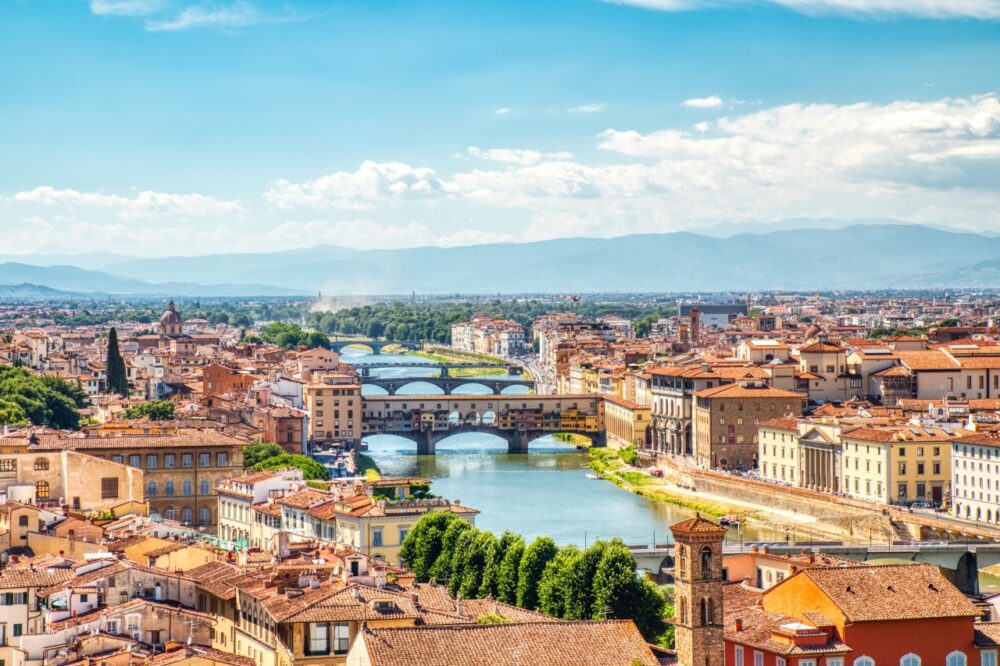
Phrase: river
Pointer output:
(543, 492)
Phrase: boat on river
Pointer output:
(593, 476)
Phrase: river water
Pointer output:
(544, 492)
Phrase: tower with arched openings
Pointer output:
(698, 592)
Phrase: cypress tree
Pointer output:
(117, 376)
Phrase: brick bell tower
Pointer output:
(698, 592)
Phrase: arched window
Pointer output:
(682, 610)
(170, 514)
(864, 661)
(204, 516)
(169, 490)
(956, 659)
(188, 488)
(684, 553)
(706, 612)
(151, 489)
(909, 660)
(706, 563)
(41, 464)
(187, 515)
(203, 487)
(42, 489)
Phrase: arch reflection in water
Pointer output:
(542, 492)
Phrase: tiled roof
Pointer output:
(891, 592)
(217, 578)
(614, 643)
(780, 424)
(748, 624)
(741, 391)
(927, 360)
(698, 525)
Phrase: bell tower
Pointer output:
(698, 592)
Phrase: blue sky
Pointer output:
(197, 126)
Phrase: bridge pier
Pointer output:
(518, 440)
(425, 442)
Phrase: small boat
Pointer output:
(593, 476)
(729, 521)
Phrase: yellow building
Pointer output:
(625, 423)
(333, 401)
(897, 465)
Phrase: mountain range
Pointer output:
(857, 256)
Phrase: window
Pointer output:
(317, 639)
(18, 629)
(8, 465)
(758, 658)
(341, 638)
(135, 460)
(988, 658)
(203, 488)
(42, 490)
(864, 661)
(116, 459)
(222, 460)
(151, 461)
(187, 515)
(956, 659)
(780, 661)
(834, 661)
(909, 660)
(169, 488)
(187, 488)
(169, 460)
(204, 460)
(187, 460)
(738, 655)
(706, 563)
(377, 537)
(151, 489)
(109, 488)
(204, 516)
(41, 464)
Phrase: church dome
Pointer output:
(170, 316)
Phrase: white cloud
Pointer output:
(587, 108)
(935, 9)
(238, 14)
(712, 102)
(372, 183)
(144, 205)
(520, 156)
(502, 111)
(126, 7)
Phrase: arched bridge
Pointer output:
(519, 419)
(447, 384)
(365, 369)
(375, 345)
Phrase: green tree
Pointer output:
(115, 370)
(491, 575)
(536, 556)
(49, 401)
(476, 562)
(311, 470)
(554, 586)
(259, 452)
(620, 593)
(154, 410)
(580, 595)
(441, 571)
(423, 542)
(509, 567)
(458, 560)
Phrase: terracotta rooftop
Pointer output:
(614, 643)
(697, 524)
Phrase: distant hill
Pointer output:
(34, 292)
(866, 256)
(82, 281)
(859, 256)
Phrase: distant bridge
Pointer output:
(518, 419)
(365, 369)
(446, 384)
(376, 346)
(960, 561)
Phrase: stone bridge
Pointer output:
(518, 419)
(376, 346)
(365, 369)
(959, 561)
(447, 384)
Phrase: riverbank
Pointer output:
(610, 467)
(445, 355)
